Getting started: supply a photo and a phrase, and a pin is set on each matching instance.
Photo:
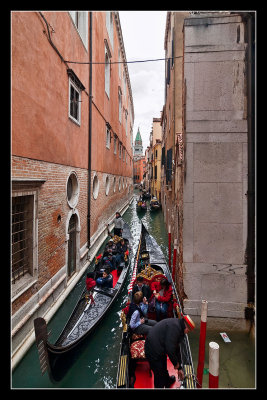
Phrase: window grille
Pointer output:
(22, 229)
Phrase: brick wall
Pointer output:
(52, 203)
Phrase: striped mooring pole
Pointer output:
(202, 339)
(213, 365)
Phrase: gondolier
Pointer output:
(164, 339)
(118, 225)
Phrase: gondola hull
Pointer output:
(86, 316)
(135, 373)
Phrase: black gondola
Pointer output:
(87, 314)
(154, 205)
(133, 368)
(141, 205)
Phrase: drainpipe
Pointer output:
(90, 133)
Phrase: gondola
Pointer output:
(141, 205)
(87, 314)
(133, 368)
(154, 205)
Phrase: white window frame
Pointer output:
(120, 104)
(72, 84)
(119, 61)
(108, 138)
(126, 114)
(115, 145)
(109, 26)
(107, 72)
(80, 21)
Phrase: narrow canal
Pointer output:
(96, 363)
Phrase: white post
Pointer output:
(213, 365)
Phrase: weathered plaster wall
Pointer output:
(215, 204)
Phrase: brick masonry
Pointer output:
(52, 203)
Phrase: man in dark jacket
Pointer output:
(164, 339)
(141, 286)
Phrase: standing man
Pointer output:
(162, 340)
(118, 224)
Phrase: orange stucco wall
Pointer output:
(41, 128)
(104, 159)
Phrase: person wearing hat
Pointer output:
(163, 340)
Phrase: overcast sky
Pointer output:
(143, 36)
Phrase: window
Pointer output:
(74, 102)
(119, 60)
(80, 20)
(115, 144)
(169, 166)
(95, 187)
(107, 71)
(120, 149)
(72, 248)
(107, 185)
(124, 80)
(72, 190)
(22, 236)
(126, 114)
(114, 184)
(120, 104)
(109, 26)
(108, 138)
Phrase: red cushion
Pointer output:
(138, 349)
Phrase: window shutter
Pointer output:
(169, 166)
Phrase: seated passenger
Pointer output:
(110, 248)
(136, 315)
(121, 249)
(142, 287)
(90, 282)
(163, 295)
(106, 281)
(110, 262)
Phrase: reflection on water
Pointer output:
(96, 364)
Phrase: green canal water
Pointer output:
(95, 366)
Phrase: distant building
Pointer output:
(138, 144)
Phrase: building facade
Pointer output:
(218, 77)
(71, 168)
(208, 171)
(155, 144)
(173, 132)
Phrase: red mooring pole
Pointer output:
(174, 259)
(213, 365)
(202, 339)
(170, 254)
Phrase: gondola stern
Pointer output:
(41, 337)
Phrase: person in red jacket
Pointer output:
(163, 294)
(90, 282)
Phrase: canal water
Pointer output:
(95, 366)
